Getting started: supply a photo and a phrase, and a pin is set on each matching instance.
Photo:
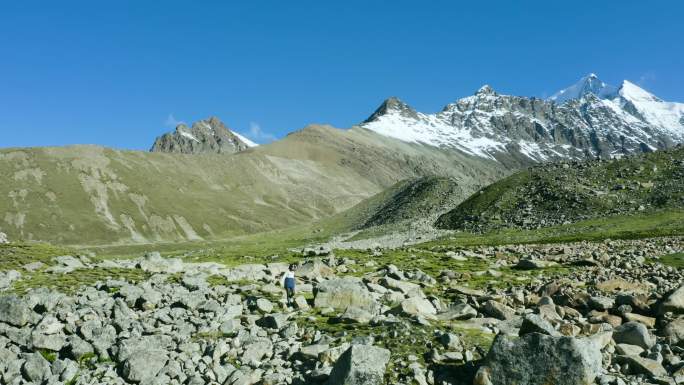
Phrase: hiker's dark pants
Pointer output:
(290, 294)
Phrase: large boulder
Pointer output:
(461, 311)
(674, 331)
(36, 368)
(642, 365)
(498, 310)
(155, 263)
(7, 277)
(14, 311)
(539, 359)
(143, 365)
(633, 333)
(360, 365)
(341, 293)
(674, 302)
(534, 323)
(314, 269)
(418, 306)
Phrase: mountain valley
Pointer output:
(503, 240)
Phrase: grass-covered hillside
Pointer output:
(409, 200)
(90, 195)
(562, 193)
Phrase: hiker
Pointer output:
(289, 284)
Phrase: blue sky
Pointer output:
(119, 73)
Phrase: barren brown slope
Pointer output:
(94, 195)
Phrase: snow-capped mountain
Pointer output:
(205, 136)
(589, 84)
(588, 119)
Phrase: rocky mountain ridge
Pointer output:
(204, 136)
(587, 120)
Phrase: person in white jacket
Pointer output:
(289, 284)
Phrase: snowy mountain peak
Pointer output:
(631, 91)
(602, 120)
(204, 136)
(589, 84)
(485, 90)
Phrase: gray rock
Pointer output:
(534, 323)
(531, 264)
(264, 305)
(78, 348)
(300, 303)
(143, 365)
(314, 269)
(601, 303)
(14, 311)
(498, 310)
(33, 266)
(674, 302)
(461, 311)
(66, 369)
(49, 325)
(407, 288)
(417, 306)
(255, 352)
(538, 359)
(360, 365)
(153, 262)
(641, 365)
(54, 342)
(229, 326)
(8, 277)
(3, 238)
(450, 341)
(674, 331)
(65, 264)
(36, 368)
(633, 333)
(354, 314)
(341, 293)
(312, 351)
(274, 321)
(628, 350)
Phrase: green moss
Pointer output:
(674, 260)
(49, 356)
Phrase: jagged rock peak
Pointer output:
(392, 105)
(204, 136)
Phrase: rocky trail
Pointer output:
(580, 313)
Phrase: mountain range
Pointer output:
(586, 120)
(206, 181)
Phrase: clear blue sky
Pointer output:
(86, 72)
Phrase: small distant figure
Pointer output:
(289, 284)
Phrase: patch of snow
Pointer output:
(532, 150)
(246, 141)
(433, 131)
(188, 135)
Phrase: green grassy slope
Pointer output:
(556, 194)
(90, 195)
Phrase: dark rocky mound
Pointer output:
(561, 193)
